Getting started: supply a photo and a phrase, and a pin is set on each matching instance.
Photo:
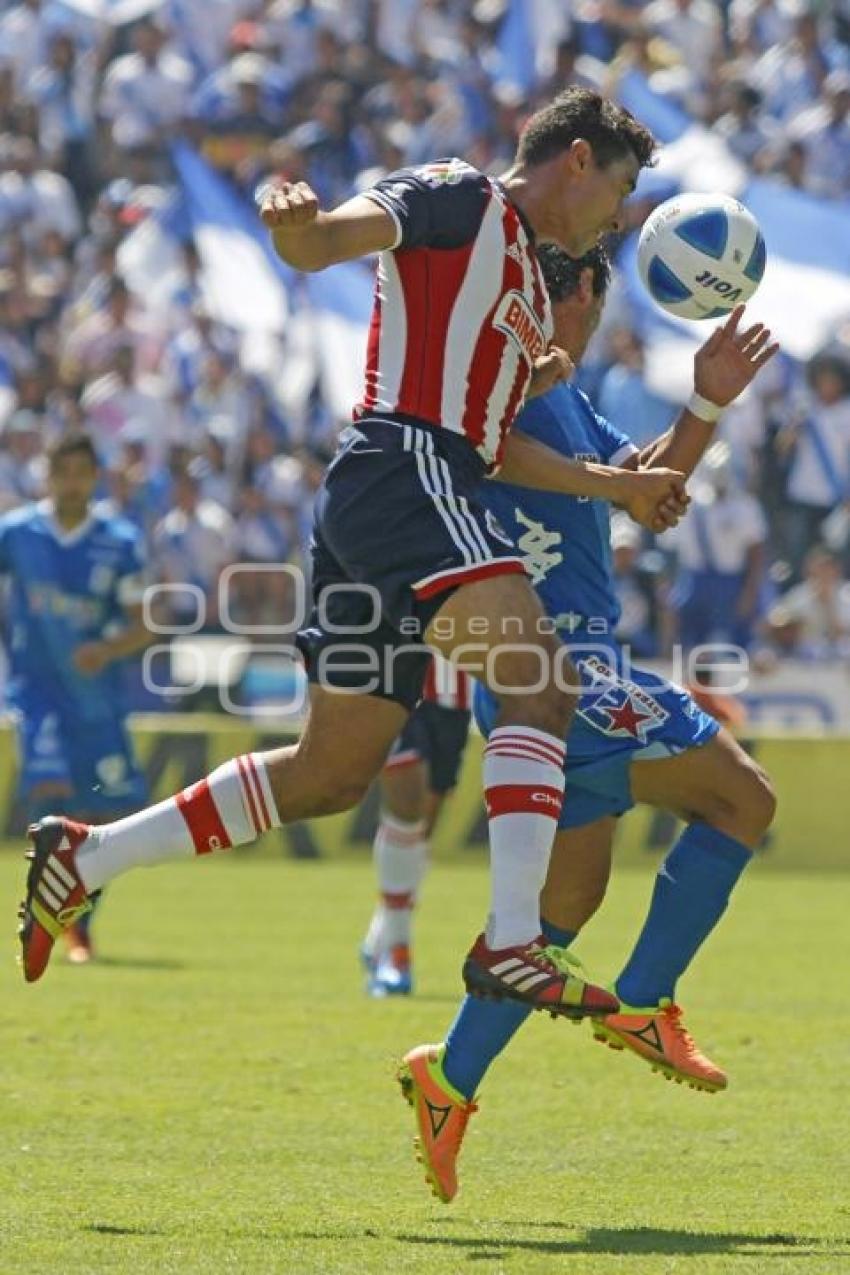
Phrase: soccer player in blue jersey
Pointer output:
(73, 613)
(635, 738)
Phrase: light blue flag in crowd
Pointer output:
(340, 307)
(323, 318)
(244, 284)
(115, 12)
(528, 40)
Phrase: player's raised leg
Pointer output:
(320, 774)
(499, 631)
(729, 803)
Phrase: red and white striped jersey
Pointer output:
(447, 685)
(461, 310)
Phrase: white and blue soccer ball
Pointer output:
(701, 255)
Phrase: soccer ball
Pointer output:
(701, 255)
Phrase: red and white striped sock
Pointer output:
(524, 791)
(400, 853)
(231, 806)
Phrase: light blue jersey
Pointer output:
(565, 541)
(624, 714)
(65, 589)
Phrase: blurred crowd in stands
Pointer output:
(206, 455)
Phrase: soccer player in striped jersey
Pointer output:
(418, 777)
(406, 559)
(635, 738)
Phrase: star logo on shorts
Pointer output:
(627, 719)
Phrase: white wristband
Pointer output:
(703, 408)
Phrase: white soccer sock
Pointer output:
(524, 791)
(400, 853)
(231, 806)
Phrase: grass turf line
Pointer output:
(217, 1095)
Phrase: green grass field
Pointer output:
(217, 1095)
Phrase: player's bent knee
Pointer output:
(762, 800)
(336, 799)
(745, 808)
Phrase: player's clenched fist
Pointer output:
(553, 366)
(655, 498)
(286, 205)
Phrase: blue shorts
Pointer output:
(398, 526)
(93, 760)
(622, 717)
(436, 736)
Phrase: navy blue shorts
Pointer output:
(436, 736)
(397, 528)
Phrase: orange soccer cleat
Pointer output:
(660, 1037)
(442, 1115)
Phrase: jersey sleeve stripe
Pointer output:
(376, 197)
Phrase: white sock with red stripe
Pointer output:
(524, 791)
(231, 806)
(400, 854)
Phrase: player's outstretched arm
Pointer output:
(723, 367)
(309, 239)
(656, 499)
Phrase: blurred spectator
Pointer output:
(819, 475)
(63, 89)
(261, 542)
(791, 73)
(33, 198)
(193, 544)
(238, 109)
(746, 130)
(693, 28)
(624, 396)
(23, 468)
(222, 395)
(812, 620)
(145, 93)
(119, 405)
(824, 133)
(120, 324)
(720, 550)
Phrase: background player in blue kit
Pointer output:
(73, 612)
(635, 737)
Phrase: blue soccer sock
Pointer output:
(691, 892)
(482, 1029)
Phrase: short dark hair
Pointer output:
(610, 130)
(562, 273)
(74, 443)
